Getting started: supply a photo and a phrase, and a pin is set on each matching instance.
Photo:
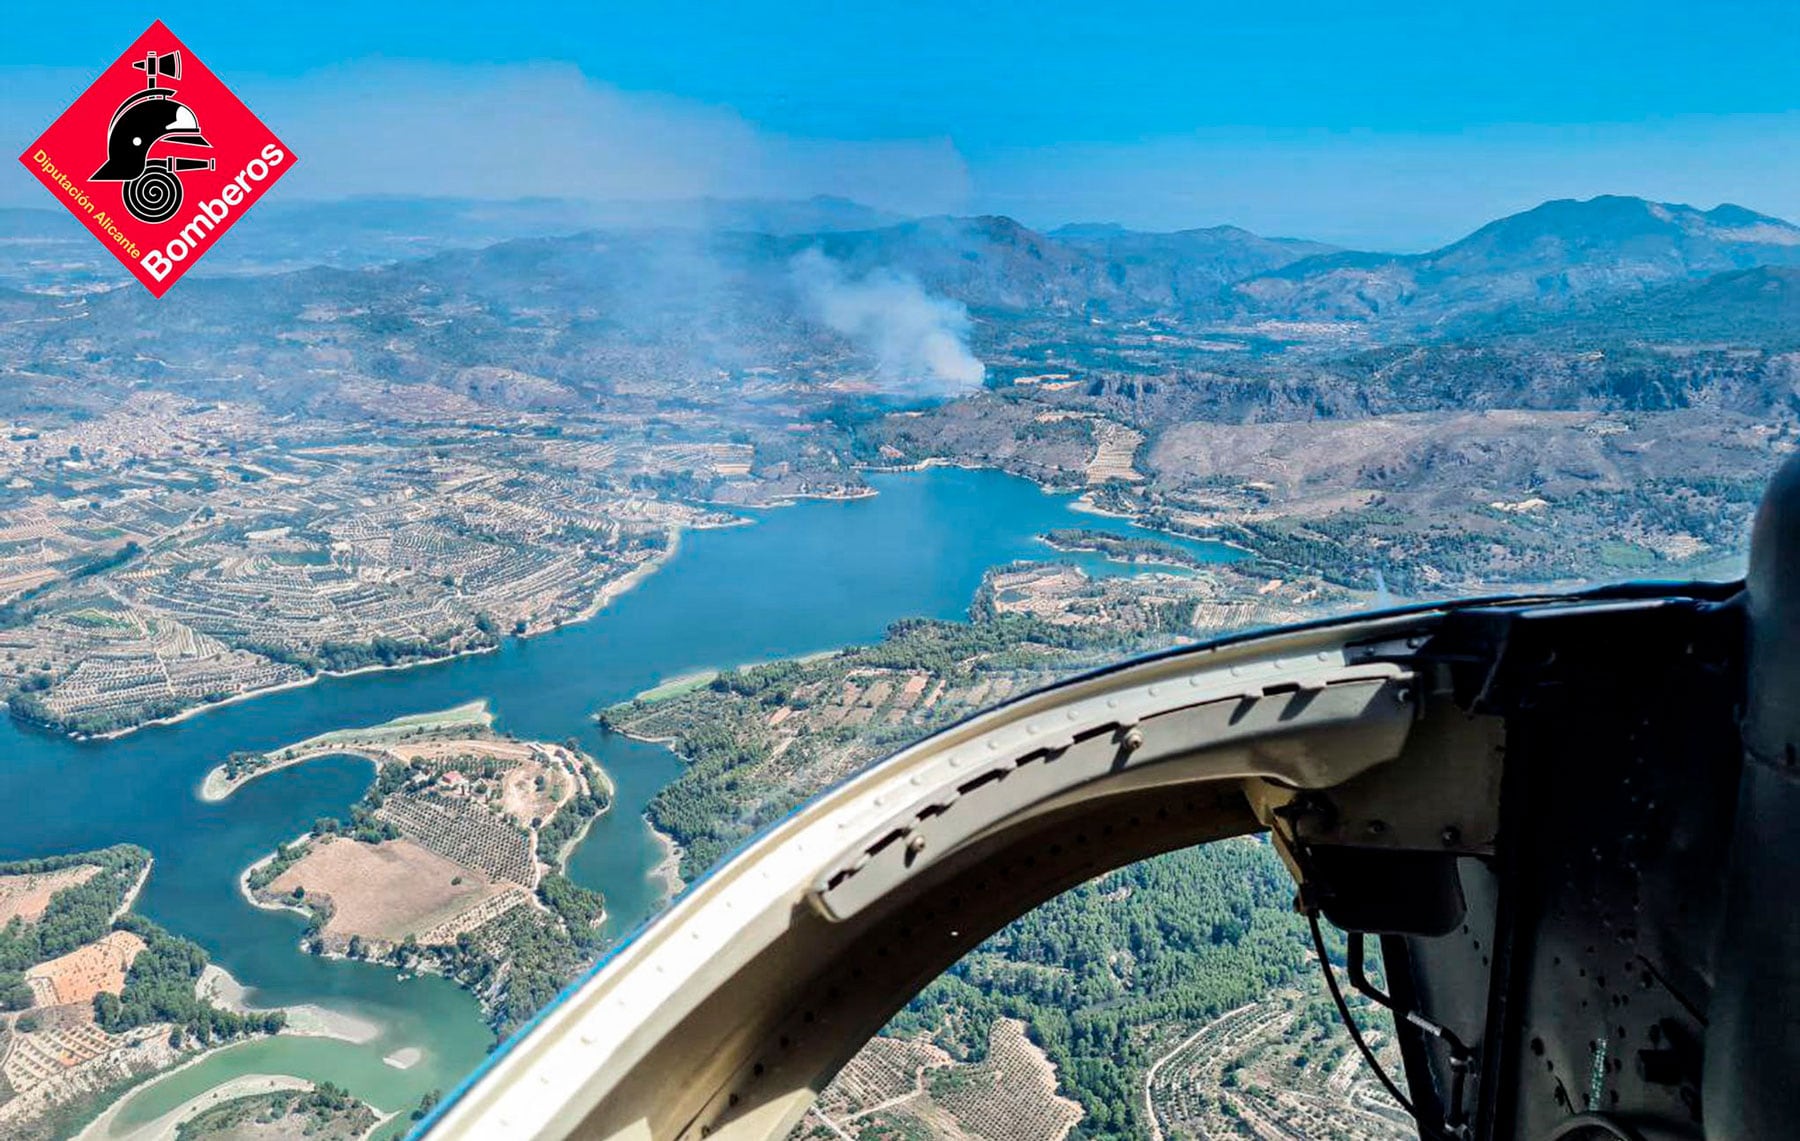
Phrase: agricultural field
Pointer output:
(99, 967)
(1281, 1066)
(1208, 601)
(453, 858)
(911, 1088)
(381, 893)
(25, 896)
(141, 577)
(92, 996)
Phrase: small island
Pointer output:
(453, 860)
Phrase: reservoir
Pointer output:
(815, 576)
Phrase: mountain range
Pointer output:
(1552, 255)
(700, 293)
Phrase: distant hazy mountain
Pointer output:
(1551, 255)
(820, 214)
(712, 311)
(285, 234)
(1188, 266)
(987, 262)
(702, 286)
(993, 262)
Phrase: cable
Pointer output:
(1461, 1057)
(1343, 1008)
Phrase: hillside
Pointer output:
(1548, 256)
(1090, 357)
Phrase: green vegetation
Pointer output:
(536, 959)
(531, 960)
(1182, 937)
(160, 988)
(727, 791)
(569, 820)
(15, 993)
(471, 716)
(160, 984)
(285, 857)
(1122, 548)
(327, 1112)
(102, 563)
(342, 657)
(30, 709)
(1574, 538)
(466, 715)
(427, 1103)
(1172, 942)
(517, 962)
(97, 619)
(676, 686)
(76, 915)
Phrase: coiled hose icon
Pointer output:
(155, 195)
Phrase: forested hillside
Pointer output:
(1177, 939)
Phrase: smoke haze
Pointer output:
(919, 342)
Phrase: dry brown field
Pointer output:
(385, 891)
(86, 971)
(443, 750)
(26, 896)
(519, 795)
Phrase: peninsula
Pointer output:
(452, 861)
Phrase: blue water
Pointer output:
(804, 578)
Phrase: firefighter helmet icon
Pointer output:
(145, 121)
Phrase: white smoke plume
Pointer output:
(920, 343)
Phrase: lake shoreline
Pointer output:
(249, 894)
(308, 1020)
(667, 869)
(1080, 500)
(265, 691)
(1134, 561)
(810, 578)
(100, 1128)
(614, 589)
(608, 593)
(218, 786)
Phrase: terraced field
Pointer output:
(466, 833)
(1273, 1069)
(912, 1088)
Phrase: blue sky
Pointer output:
(1394, 125)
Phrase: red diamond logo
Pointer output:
(158, 158)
